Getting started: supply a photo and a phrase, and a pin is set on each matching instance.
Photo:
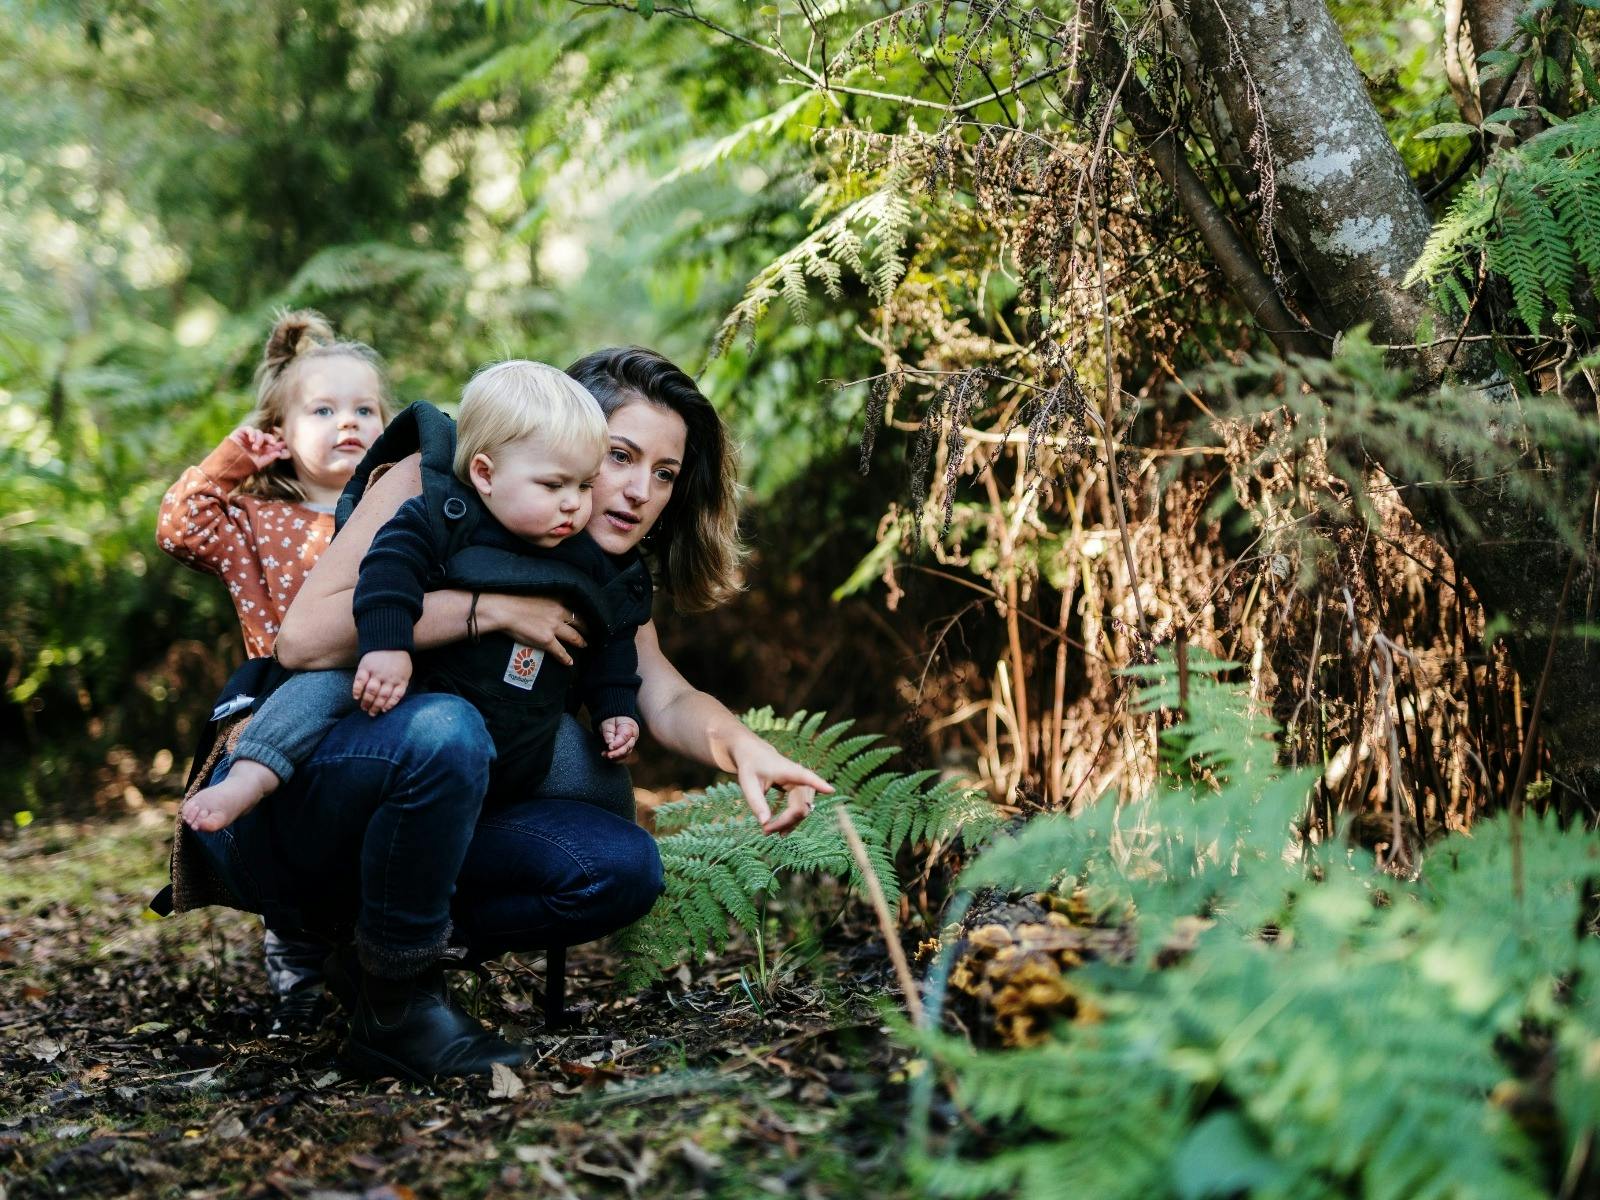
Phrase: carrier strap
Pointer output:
(420, 429)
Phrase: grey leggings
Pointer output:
(291, 723)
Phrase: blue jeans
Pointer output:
(382, 831)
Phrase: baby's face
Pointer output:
(538, 492)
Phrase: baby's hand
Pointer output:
(620, 734)
(381, 679)
(262, 447)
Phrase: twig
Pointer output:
(891, 935)
(810, 77)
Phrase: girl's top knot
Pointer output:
(293, 334)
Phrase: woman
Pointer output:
(386, 821)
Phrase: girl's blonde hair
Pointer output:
(695, 542)
(516, 399)
(296, 338)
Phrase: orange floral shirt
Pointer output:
(262, 549)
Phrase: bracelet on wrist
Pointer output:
(472, 619)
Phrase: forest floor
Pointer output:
(133, 1063)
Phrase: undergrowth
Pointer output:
(1330, 1030)
(719, 864)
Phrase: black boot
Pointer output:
(341, 973)
(299, 1014)
(413, 1029)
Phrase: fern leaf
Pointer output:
(718, 863)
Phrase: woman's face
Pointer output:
(638, 473)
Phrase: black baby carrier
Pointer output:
(519, 691)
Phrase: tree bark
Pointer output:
(1347, 210)
(1462, 87)
(1494, 26)
(1232, 254)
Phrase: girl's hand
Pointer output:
(381, 680)
(539, 621)
(759, 767)
(262, 447)
(621, 734)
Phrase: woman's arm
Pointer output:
(683, 718)
(319, 630)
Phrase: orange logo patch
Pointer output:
(524, 666)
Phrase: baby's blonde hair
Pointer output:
(508, 401)
(296, 338)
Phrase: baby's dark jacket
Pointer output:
(520, 692)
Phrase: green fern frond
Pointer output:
(1532, 218)
(1354, 408)
(371, 266)
(1329, 1033)
(718, 862)
(867, 235)
(753, 136)
(516, 65)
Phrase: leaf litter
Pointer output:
(133, 1062)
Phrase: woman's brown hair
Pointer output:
(696, 538)
(297, 337)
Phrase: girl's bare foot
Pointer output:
(221, 804)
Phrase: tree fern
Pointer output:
(718, 862)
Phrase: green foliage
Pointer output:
(719, 864)
(873, 227)
(1532, 219)
(1314, 1029)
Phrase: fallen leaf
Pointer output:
(698, 1157)
(504, 1082)
(389, 1191)
(45, 1049)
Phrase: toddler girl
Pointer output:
(257, 513)
(529, 443)
(258, 510)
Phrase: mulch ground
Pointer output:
(133, 1062)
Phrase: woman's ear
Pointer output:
(481, 472)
